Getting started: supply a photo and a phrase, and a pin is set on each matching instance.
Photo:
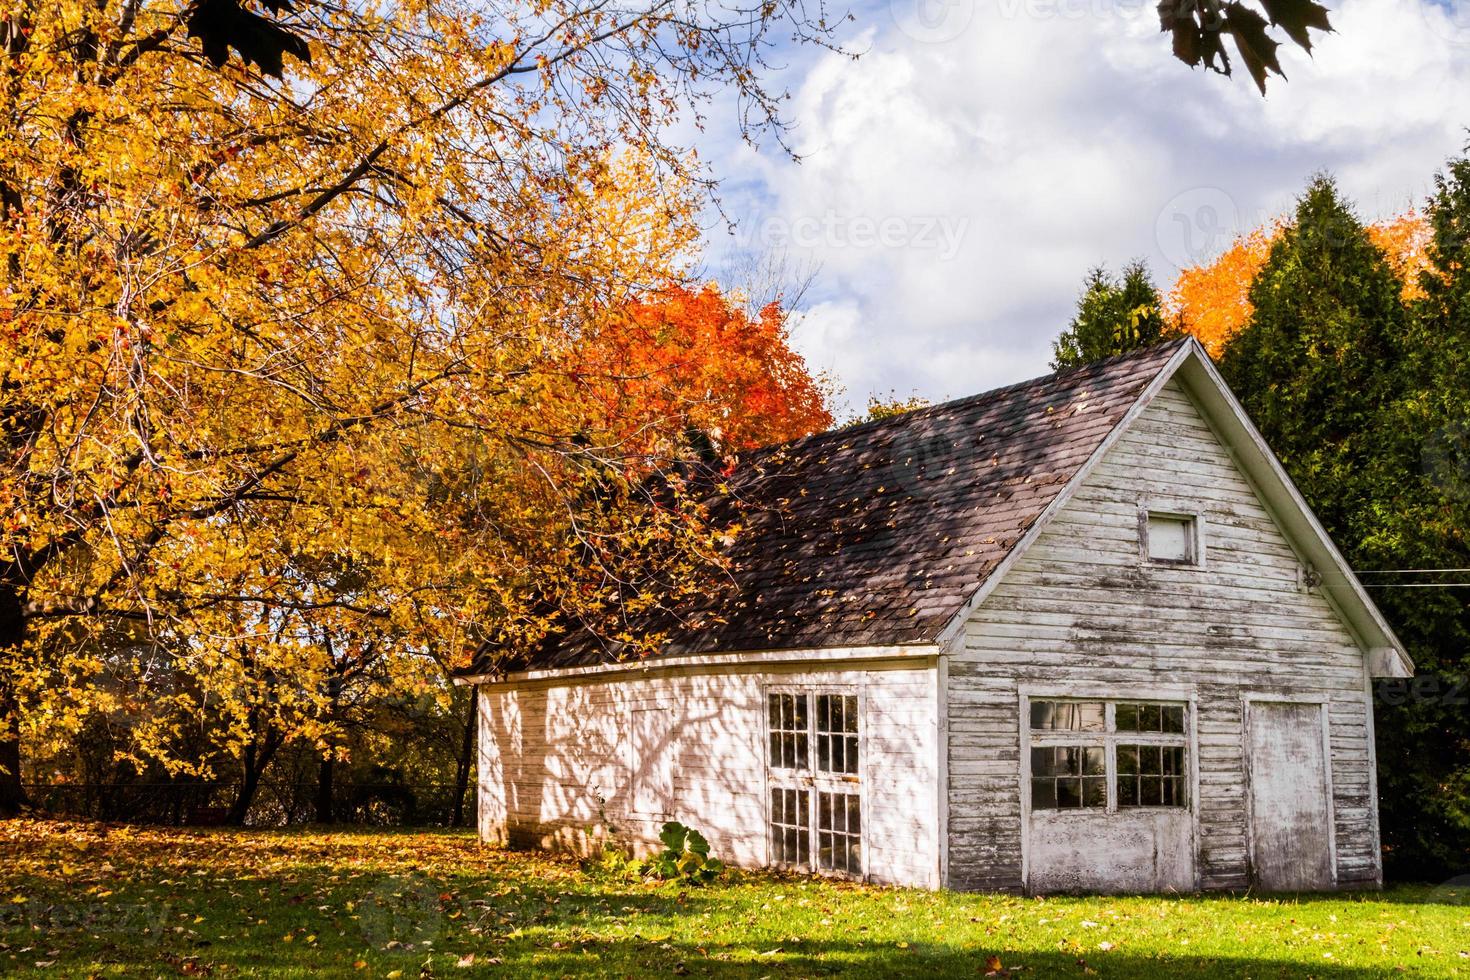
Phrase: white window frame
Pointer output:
(810, 782)
(1108, 739)
(1195, 519)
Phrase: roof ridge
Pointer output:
(938, 408)
(879, 533)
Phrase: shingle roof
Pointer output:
(878, 534)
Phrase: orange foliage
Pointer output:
(695, 355)
(1212, 301)
(1404, 240)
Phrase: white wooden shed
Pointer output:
(1080, 633)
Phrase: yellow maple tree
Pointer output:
(269, 323)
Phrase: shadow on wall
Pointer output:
(583, 761)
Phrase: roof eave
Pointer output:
(822, 656)
(1340, 586)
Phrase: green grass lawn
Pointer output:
(81, 900)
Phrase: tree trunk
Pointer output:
(12, 634)
(324, 809)
(249, 783)
(253, 763)
(466, 760)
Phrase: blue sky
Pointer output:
(960, 178)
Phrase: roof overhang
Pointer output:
(818, 657)
(1385, 652)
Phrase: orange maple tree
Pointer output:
(696, 355)
(1212, 301)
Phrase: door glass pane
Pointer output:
(1068, 777)
(837, 733)
(839, 832)
(786, 716)
(1067, 716)
(1151, 775)
(790, 827)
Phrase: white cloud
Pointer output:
(955, 191)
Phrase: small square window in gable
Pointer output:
(1172, 538)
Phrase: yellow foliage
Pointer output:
(283, 359)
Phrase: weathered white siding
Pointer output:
(1081, 608)
(562, 763)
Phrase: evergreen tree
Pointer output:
(1321, 356)
(1114, 315)
(1358, 397)
(1423, 521)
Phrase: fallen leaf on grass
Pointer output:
(466, 960)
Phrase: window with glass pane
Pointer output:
(1151, 775)
(839, 832)
(788, 731)
(837, 733)
(791, 840)
(1075, 744)
(1164, 718)
(1067, 716)
(1068, 777)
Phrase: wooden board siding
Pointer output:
(561, 764)
(1082, 607)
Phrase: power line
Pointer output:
(1417, 585)
(1412, 571)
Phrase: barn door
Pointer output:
(815, 780)
(1290, 811)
